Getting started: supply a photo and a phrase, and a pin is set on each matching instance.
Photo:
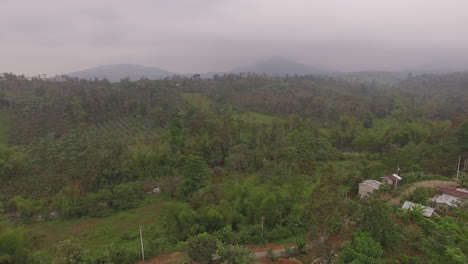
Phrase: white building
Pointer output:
(391, 180)
(367, 187)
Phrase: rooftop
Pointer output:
(427, 211)
(393, 177)
(459, 192)
(372, 183)
(446, 199)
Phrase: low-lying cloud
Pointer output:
(59, 36)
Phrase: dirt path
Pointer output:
(278, 251)
(430, 183)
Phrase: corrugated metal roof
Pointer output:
(460, 193)
(372, 183)
(446, 199)
(427, 211)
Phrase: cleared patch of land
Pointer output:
(198, 100)
(257, 118)
(98, 232)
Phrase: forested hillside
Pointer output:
(238, 159)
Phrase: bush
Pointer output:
(126, 195)
(15, 245)
(26, 208)
(201, 248)
(420, 195)
(301, 244)
(250, 234)
(227, 235)
(362, 249)
(231, 254)
(122, 255)
(279, 232)
(97, 204)
(68, 251)
(271, 255)
(287, 251)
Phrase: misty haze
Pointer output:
(233, 132)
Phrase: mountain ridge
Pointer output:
(278, 65)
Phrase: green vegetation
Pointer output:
(5, 123)
(237, 159)
(234, 254)
(15, 246)
(420, 195)
(362, 249)
(201, 248)
(199, 101)
(257, 118)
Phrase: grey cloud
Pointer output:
(59, 36)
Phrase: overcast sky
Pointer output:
(60, 36)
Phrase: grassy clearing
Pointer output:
(5, 122)
(253, 119)
(257, 118)
(198, 100)
(122, 227)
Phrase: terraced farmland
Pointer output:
(126, 128)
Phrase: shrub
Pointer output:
(97, 204)
(26, 208)
(420, 195)
(234, 254)
(301, 244)
(362, 249)
(68, 251)
(126, 195)
(201, 247)
(271, 255)
(287, 251)
(122, 255)
(250, 234)
(15, 245)
(227, 235)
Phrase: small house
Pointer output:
(152, 190)
(427, 211)
(391, 180)
(54, 215)
(451, 197)
(367, 187)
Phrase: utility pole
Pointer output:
(458, 166)
(262, 226)
(346, 196)
(141, 240)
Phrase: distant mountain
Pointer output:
(115, 72)
(278, 66)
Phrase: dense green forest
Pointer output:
(239, 159)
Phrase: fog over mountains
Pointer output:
(275, 66)
(115, 72)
